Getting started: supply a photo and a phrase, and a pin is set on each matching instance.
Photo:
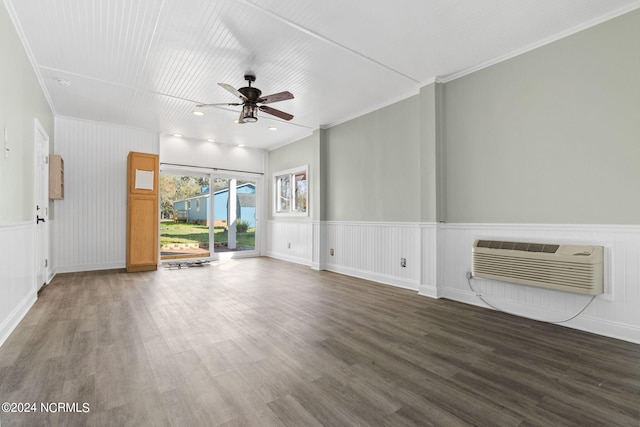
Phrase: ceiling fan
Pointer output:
(251, 97)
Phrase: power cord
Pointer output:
(479, 295)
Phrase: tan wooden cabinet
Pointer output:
(56, 177)
(142, 211)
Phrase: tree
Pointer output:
(179, 187)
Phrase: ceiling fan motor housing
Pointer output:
(251, 93)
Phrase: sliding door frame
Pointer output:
(212, 174)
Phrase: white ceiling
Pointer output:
(146, 63)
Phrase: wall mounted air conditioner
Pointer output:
(571, 268)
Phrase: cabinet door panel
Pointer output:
(145, 163)
(143, 234)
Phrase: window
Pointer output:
(198, 205)
(291, 192)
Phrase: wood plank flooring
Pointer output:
(261, 342)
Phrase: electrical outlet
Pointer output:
(331, 251)
(403, 262)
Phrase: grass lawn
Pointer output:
(180, 232)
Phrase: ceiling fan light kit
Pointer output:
(249, 113)
(251, 97)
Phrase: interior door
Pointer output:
(41, 180)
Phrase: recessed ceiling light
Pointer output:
(198, 113)
(273, 128)
(236, 121)
(179, 135)
(211, 140)
(240, 145)
(64, 82)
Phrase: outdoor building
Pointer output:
(196, 209)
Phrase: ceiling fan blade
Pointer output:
(219, 104)
(281, 96)
(232, 89)
(240, 119)
(277, 113)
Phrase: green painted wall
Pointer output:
(550, 136)
(300, 153)
(372, 166)
(21, 101)
(431, 140)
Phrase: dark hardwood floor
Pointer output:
(262, 342)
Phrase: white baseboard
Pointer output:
(317, 266)
(375, 277)
(289, 258)
(428, 291)
(90, 267)
(18, 313)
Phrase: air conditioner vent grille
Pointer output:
(571, 268)
(519, 246)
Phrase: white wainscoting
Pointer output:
(373, 250)
(290, 241)
(370, 250)
(91, 220)
(615, 314)
(51, 266)
(428, 254)
(17, 278)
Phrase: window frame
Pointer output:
(291, 174)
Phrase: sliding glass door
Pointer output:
(234, 207)
(184, 216)
(207, 215)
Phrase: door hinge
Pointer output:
(46, 160)
(46, 262)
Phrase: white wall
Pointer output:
(17, 278)
(21, 100)
(90, 224)
(191, 152)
